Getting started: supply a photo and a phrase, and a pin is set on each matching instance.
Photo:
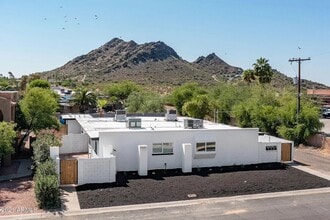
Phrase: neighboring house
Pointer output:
(65, 99)
(152, 143)
(321, 94)
(8, 101)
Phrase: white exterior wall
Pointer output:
(73, 127)
(74, 143)
(233, 146)
(58, 163)
(96, 170)
(186, 158)
(54, 152)
(143, 160)
(270, 155)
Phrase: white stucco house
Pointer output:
(120, 143)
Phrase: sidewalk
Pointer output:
(69, 198)
(23, 170)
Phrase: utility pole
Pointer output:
(299, 60)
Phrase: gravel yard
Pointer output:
(203, 183)
(17, 197)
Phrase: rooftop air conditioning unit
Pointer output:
(193, 123)
(120, 115)
(171, 115)
(133, 123)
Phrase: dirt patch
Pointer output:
(159, 186)
(17, 197)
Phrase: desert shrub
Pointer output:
(46, 168)
(41, 153)
(47, 191)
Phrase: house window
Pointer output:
(95, 145)
(271, 148)
(205, 147)
(162, 149)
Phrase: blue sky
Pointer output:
(39, 35)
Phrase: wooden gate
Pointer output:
(286, 152)
(69, 172)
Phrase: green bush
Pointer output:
(46, 168)
(47, 191)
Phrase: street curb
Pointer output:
(169, 204)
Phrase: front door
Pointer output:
(69, 172)
(286, 152)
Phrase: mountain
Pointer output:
(150, 64)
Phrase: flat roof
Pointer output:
(92, 126)
(268, 138)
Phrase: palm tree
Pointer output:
(84, 99)
(263, 71)
(100, 105)
(248, 76)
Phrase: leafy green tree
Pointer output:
(263, 71)
(119, 92)
(185, 93)
(7, 136)
(5, 84)
(144, 102)
(40, 83)
(39, 107)
(84, 99)
(223, 97)
(260, 110)
(198, 107)
(134, 102)
(299, 128)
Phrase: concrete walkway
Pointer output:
(69, 198)
(24, 170)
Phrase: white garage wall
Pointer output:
(73, 127)
(96, 170)
(270, 155)
(74, 143)
(234, 146)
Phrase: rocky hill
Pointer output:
(149, 63)
(153, 63)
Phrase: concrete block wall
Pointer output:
(74, 143)
(73, 127)
(96, 170)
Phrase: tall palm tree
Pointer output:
(84, 99)
(263, 71)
